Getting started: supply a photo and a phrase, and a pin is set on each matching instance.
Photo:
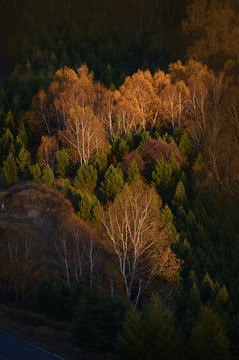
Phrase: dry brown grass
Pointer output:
(40, 208)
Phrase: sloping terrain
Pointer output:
(39, 208)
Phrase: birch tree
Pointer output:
(83, 134)
(135, 230)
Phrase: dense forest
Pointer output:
(119, 144)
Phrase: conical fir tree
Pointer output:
(48, 176)
(209, 340)
(88, 206)
(62, 162)
(113, 182)
(36, 173)
(151, 334)
(10, 170)
(180, 197)
(86, 178)
(66, 188)
(134, 174)
(24, 162)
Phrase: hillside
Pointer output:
(39, 208)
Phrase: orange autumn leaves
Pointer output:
(83, 114)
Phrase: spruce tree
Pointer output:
(100, 161)
(6, 143)
(151, 334)
(48, 176)
(222, 298)
(62, 162)
(66, 188)
(133, 338)
(180, 197)
(158, 130)
(86, 178)
(88, 208)
(134, 174)
(10, 170)
(208, 289)
(162, 176)
(209, 340)
(185, 147)
(24, 162)
(98, 319)
(113, 182)
(36, 172)
(22, 135)
(120, 148)
(9, 122)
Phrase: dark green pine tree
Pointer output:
(66, 188)
(151, 334)
(209, 340)
(180, 197)
(48, 176)
(10, 170)
(133, 338)
(208, 289)
(222, 298)
(192, 303)
(24, 162)
(9, 122)
(6, 142)
(100, 161)
(22, 135)
(185, 148)
(88, 208)
(162, 176)
(86, 178)
(113, 182)
(98, 319)
(158, 130)
(134, 174)
(36, 172)
(62, 158)
(120, 147)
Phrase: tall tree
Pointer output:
(151, 334)
(112, 183)
(209, 339)
(135, 107)
(47, 152)
(10, 170)
(135, 229)
(84, 133)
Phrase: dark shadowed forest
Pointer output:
(119, 164)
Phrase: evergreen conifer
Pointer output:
(10, 170)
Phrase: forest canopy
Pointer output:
(119, 143)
